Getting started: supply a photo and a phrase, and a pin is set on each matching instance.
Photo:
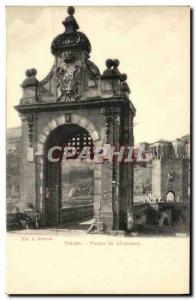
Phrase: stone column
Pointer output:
(97, 193)
(103, 176)
(28, 160)
(116, 168)
(130, 175)
(106, 210)
(124, 173)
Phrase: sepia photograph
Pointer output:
(98, 147)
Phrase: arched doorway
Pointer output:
(68, 182)
(170, 196)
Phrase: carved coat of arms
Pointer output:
(68, 81)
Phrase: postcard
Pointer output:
(98, 150)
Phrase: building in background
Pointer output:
(13, 169)
(165, 176)
(13, 139)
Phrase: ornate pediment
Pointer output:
(74, 77)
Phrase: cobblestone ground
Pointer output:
(82, 228)
(71, 229)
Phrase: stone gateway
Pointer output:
(76, 105)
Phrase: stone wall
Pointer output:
(13, 173)
(142, 182)
(156, 178)
(180, 178)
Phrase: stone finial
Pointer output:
(112, 68)
(70, 22)
(71, 39)
(31, 72)
(124, 85)
(112, 72)
(109, 64)
(28, 72)
(123, 77)
(71, 10)
(31, 79)
(116, 63)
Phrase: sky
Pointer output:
(152, 44)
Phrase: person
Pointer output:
(37, 219)
(23, 220)
(129, 221)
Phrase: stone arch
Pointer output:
(42, 138)
(62, 120)
(165, 218)
(170, 197)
